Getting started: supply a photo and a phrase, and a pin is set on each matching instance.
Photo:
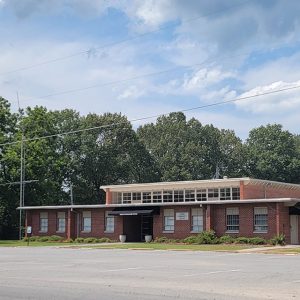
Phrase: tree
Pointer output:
(111, 154)
(273, 154)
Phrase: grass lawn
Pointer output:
(159, 246)
(136, 246)
(282, 251)
(17, 243)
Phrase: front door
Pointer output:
(294, 229)
(132, 228)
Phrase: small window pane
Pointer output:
(168, 196)
(213, 194)
(146, 197)
(127, 197)
(189, 195)
(178, 196)
(225, 194)
(156, 197)
(235, 193)
(201, 195)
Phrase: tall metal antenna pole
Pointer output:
(21, 176)
(21, 188)
(71, 194)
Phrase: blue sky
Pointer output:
(232, 48)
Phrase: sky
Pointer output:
(145, 57)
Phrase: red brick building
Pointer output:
(235, 206)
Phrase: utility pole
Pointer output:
(21, 175)
(71, 194)
(21, 188)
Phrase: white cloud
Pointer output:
(277, 103)
(204, 78)
(132, 92)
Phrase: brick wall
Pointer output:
(182, 227)
(251, 191)
(33, 219)
(278, 220)
(98, 225)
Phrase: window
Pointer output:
(61, 222)
(232, 219)
(169, 220)
(136, 197)
(43, 222)
(109, 222)
(225, 194)
(127, 198)
(178, 196)
(213, 194)
(119, 198)
(86, 221)
(189, 195)
(146, 197)
(156, 197)
(201, 195)
(197, 219)
(261, 219)
(235, 193)
(168, 196)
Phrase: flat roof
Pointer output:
(291, 201)
(207, 182)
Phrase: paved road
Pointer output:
(56, 273)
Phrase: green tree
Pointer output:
(273, 154)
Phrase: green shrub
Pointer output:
(90, 240)
(55, 238)
(207, 237)
(25, 239)
(162, 239)
(190, 240)
(79, 240)
(34, 238)
(242, 240)
(226, 239)
(104, 240)
(278, 240)
(43, 239)
(257, 241)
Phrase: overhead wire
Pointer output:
(154, 116)
(58, 59)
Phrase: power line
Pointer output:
(153, 116)
(118, 42)
(115, 82)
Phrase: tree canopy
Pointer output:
(112, 152)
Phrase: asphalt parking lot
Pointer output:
(59, 273)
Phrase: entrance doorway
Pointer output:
(137, 226)
(294, 222)
(132, 228)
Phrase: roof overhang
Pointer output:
(286, 201)
(193, 184)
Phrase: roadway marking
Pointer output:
(212, 272)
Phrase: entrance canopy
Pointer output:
(134, 211)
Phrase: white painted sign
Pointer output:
(182, 216)
(29, 229)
